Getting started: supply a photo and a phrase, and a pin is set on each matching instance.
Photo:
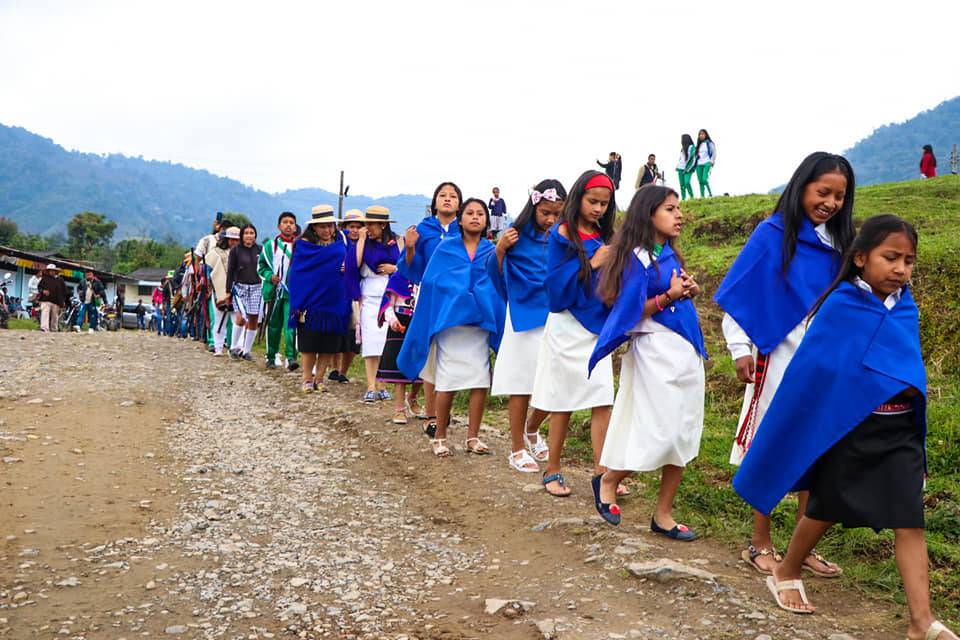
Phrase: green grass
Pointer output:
(716, 230)
(19, 323)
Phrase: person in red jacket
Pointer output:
(928, 163)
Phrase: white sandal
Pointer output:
(523, 463)
(777, 587)
(935, 629)
(478, 448)
(537, 447)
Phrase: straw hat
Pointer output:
(233, 233)
(352, 215)
(376, 213)
(322, 213)
(52, 267)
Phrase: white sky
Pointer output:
(403, 95)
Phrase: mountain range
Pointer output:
(42, 185)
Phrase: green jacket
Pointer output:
(266, 269)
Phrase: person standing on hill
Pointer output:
(706, 160)
(649, 173)
(273, 267)
(52, 294)
(928, 163)
(498, 213)
(613, 168)
(686, 165)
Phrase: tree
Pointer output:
(237, 218)
(8, 231)
(87, 231)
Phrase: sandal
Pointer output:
(440, 448)
(479, 448)
(820, 572)
(935, 629)
(538, 447)
(430, 428)
(777, 587)
(399, 416)
(555, 477)
(751, 553)
(522, 461)
(307, 386)
(622, 490)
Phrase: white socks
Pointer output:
(236, 338)
(248, 338)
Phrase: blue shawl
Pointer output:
(564, 292)
(639, 285)
(374, 255)
(431, 233)
(755, 293)
(316, 287)
(397, 285)
(455, 291)
(855, 356)
(522, 281)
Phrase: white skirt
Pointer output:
(560, 383)
(372, 337)
(462, 358)
(753, 410)
(657, 418)
(516, 358)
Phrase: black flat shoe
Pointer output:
(679, 532)
(607, 510)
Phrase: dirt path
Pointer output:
(148, 489)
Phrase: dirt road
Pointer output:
(148, 489)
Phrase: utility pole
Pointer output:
(340, 203)
(953, 160)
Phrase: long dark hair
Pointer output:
(387, 234)
(222, 241)
(486, 212)
(928, 149)
(571, 215)
(706, 139)
(436, 192)
(635, 230)
(529, 212)
(790, 204)
(872, 234)
(249, 225)
(685, 143)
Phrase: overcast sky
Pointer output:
(403, 95)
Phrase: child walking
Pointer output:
(396, 311)
(518, 268)
(686, 165)
(368, 266)
(706, 157)
(849, 421)
(319, 309)
(576, 249)
(791, 257)
(459, 318)
(657, 418)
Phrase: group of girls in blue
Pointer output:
(819, 321)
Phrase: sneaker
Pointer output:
(342, 378)
(91, 331)
(234, 354)
(211, 349)
(217, 353)
(293, 365)
(384, 395)
(247, 357)
(334, 375)
(76, 328)
(414, 410)
(399, 416)
(271, 364)
(370, 396)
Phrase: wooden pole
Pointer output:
(953, 160)
(340, 204)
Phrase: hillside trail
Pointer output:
(149, 489)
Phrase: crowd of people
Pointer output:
(818, 318)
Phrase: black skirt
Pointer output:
(309, 341)
(389, 371)
(872, 477)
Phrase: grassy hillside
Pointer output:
(716, 230)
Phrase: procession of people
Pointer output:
(535, 315)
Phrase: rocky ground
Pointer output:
(148, 489)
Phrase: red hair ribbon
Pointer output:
(600, 180)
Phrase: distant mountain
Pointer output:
(42, 186)
(892, 152)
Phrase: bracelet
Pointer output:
(669, 297)
(656, 299)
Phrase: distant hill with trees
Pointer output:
(892, 152)
(42, 186)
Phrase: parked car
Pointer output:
(130, 316)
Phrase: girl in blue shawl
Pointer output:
(576, 249)
(518, 269)
(419, 244)
(369, 264)
(318, 308)
(657, 418)
(459, 318)
(849, 423)
(787, 263)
